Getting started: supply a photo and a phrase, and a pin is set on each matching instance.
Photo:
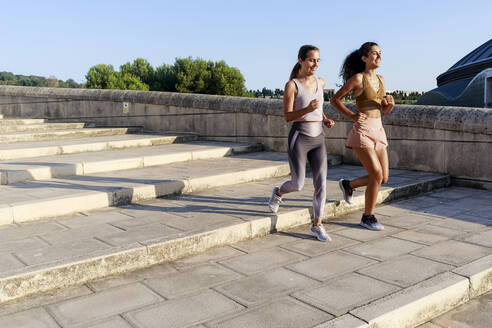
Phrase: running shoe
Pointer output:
(320, 233)
(346, 190)
(274, 201)
(370, 222)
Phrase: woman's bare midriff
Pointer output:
(371, 112)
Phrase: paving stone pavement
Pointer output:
(286, 279)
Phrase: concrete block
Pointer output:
(384, 248)
(406, 270)
(262, 260)
(339, 295)
(417, 304)
(114, 322)
(323, 267)
(266, 286)
(184, 311)
(34, 318)
(283, 313)
(101, 305)
(201, 277)
(453, 252)
(480, 274)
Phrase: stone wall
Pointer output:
(454, 140)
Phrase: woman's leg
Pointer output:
(371, 162)
(318, 162)
(382, 155)
(297, 162)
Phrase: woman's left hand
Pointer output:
(329, 123)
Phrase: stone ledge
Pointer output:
(462, 119)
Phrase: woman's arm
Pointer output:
(336, 100)
(289, 97)
(388, 102)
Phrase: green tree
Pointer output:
(164, 78)
(140, 68)
(101, 76)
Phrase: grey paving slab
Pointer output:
(9, 262)
(284, 313)
(27, 243)
(429, 234)
(87, 219)
(406, 270)
(211, 256)
(139, 234)
(83, 233)
(330, 265)
(476, 313)
(263, 243)
(115, 322)
(261, 260)
(306, 244)
(407, 220)
(384, 248)
(184, 311)
(127, 278)
(462, 223)
(102, 305)
(44, 299)
(357, 232)
(34, 318)
(453, 252)
(265, 286)
(61, 251)
(175, 284)
(339, 295)
(483, 238)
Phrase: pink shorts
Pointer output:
(369, 134)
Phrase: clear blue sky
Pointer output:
(419, 39)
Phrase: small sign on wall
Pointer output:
(126, 108)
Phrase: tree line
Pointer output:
(186, 75)
(8, 78)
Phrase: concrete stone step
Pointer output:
(71, 250)
(64, 134)
(113, 160)
(60, 196)
(18, 150)
(19, 121)
(6, 128)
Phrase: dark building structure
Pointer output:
(467, 83)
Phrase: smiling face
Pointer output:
(310, 64)
(373, 58)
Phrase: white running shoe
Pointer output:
(274, 201)
(320, 233)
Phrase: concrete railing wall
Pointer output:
(454, 140)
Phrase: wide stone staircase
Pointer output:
(79, 203)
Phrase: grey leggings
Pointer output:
(312, 149)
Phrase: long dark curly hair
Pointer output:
(353, 63)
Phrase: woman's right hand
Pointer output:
(312, 105)
(359, 118)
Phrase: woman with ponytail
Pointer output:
(303, 105)
(367, 137)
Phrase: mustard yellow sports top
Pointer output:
(369, 97)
